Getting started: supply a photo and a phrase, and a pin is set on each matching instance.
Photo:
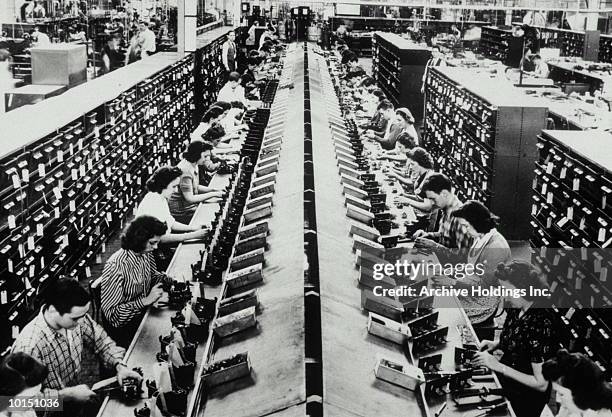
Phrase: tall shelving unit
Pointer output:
(495, 42)
(398, 66)
(605, 48)
(572, 233)
(64, 191)
(484, 138)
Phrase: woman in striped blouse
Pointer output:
(130, 281)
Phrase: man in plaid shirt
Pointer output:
(58, 336)
(452, 232)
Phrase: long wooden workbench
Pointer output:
(350, 353)
(276, 345)
(156, 322)
(277, 383)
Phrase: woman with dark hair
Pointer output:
(217, 138)
(184, 202)
(232, 121)
(400, 136)
(130, 281)
(225, 105)
(164, 183)
(420, 166)
(213, 115)
(20, 375)
(526, 341)
(354, 71)
(488, 250)
(580, 385)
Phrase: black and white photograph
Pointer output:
(344, 208)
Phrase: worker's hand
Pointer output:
(423, 242)
(401, 200)
(199, 234)
(487, 360)
(419, 233)
(124, 372)
(442, 281)
(78, 393)
(154, 295)
(488, 346)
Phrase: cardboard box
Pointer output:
(248, 259)
(250, 244)
(238, 302)
(388, 329)
(257, 213)
(384, 306)
(235, 322)
(407, 376)
(253, 229)
(228, 374)
(245, 276)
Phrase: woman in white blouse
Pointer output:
(164, 183)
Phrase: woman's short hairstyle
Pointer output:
(234, 76)
(214, 133)
(32, 371)
(212, 113)
(162, 177)
(421, 157)
(405, 114)
(384, 105)
(582, 377)
(523, 275)
(379, 93)
(19, 371)
(194, 150)
(367, 81)
(139, 231)
(267, 46)
(223, 104)
(478, 215)
(350, 56)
